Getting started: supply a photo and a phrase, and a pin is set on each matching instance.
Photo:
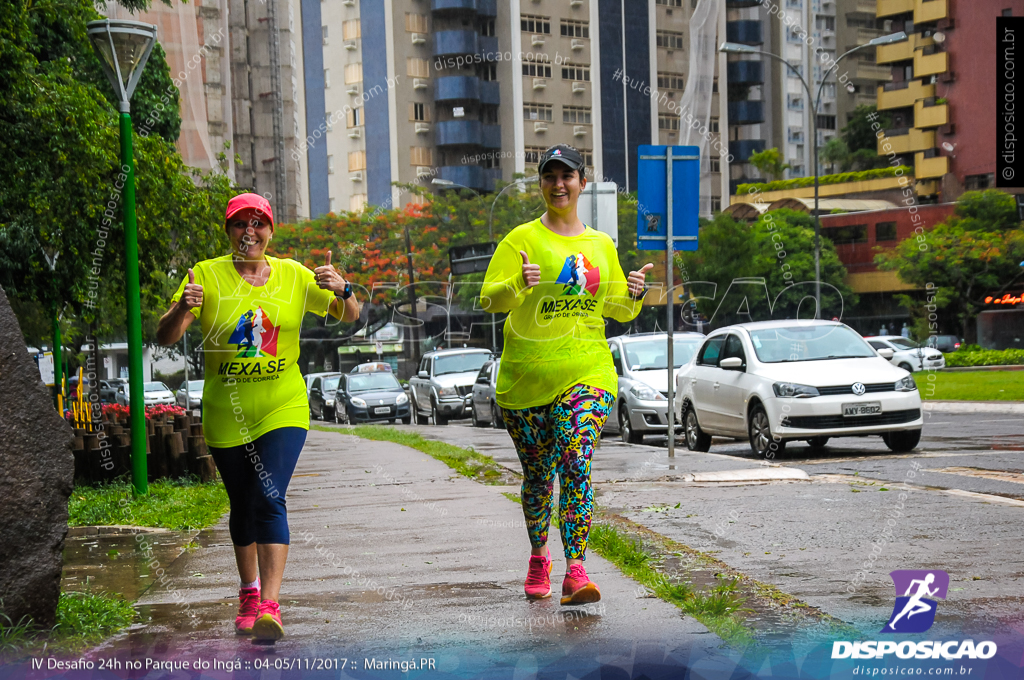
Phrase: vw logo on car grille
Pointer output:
(859, 389)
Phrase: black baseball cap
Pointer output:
(564, 154)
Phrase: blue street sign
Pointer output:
(652, 208)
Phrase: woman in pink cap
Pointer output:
(255, 414)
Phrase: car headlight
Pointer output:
(448, 392)
(794, 390)
(646, 393)
(401, 399)
(356, 401)
(906, 384)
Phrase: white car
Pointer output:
(153, 394)
(907, 354)
(195, 394)
(779, 381)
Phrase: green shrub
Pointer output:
(839, 178)
(973, 355)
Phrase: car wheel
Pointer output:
(340, 416)
(329, 414)
(476, 421)
(407, 420)
(817, 442)
(902, 441)
(497, 421)
(392, 421)
(906, 367)
(421, 419)
(696, 438)
(626, 428)
(313, 414)
(762, 441)
(435, 413)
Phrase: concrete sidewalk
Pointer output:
(394, 556)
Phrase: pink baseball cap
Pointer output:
(249, 202)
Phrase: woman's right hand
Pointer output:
(192, 295)
(531, 272)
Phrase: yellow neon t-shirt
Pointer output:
(554, 333)
(251, 348)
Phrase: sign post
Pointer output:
(667, 174)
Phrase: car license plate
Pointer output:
(867, 408)
(382, 409)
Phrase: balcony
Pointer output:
(490, 92)
(457, 88)
(930, 10)
(450, 43)
(927, 168)
(488, 45)
(453, 6)
(491, 177)
(743, 149)
(737, 4)
(903, 94)
(928, 62)
(746, 113)
(865, 70)
(866, 35)
(928, 114)
(471, 176)
(863, 7)
(907, 140)
(888, 8)
(459, 133)
(746, 72)
(745, 32)
(487, 8)
(492, 136)
(901, 51)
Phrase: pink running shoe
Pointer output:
(577, 588)
(267, 627)
(538, 577)
(249, 605)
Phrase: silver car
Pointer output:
(442, 387)
(483, 408)
(195, 395)
(641, 362)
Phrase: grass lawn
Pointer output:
(83, 620)
(180, 505)
(971, 385)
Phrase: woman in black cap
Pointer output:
(558, 278)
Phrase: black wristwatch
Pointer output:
(642, 294)
(345, 294)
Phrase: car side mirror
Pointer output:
(885, 353)
(423, 374)
(731, 363)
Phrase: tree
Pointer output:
(835, 152)
(770, 163)
(973, 254)
(861, 141)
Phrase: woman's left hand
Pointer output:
(635, 280)
(328, 278)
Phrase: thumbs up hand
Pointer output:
(636, 280)
(328, 278)
(192, 295)
(531, 272)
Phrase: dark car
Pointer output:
(321, 396)
(944, 343)
(109, 388)
(483, 408)
(368, 397)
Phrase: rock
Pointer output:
(36, 474)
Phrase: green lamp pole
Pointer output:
(123, 48)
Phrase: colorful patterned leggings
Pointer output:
(560, 438)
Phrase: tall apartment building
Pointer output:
(472, 91)
(943, 91)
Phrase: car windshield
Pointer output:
(195, 385)
(331, 384)
(903, 343)
(808, 343)
(460, 363)
(154, 387)
(650, 355)
(373, 381)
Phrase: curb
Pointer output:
(1006, 367)
(75, 532)
(755, 475)
(973, 406)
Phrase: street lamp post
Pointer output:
(737, 48)
(123, 48)
(521, 183)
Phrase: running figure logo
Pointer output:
(579, 276)
(914, 612)
(255, 335)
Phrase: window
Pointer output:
(330, 205)
(617, 359)
(327, 77)
(323, 29)
(711, 352)
(826, 122)
(487, 29)
(356, 161)
(329, 119)
(579, 115)
(531, 23)
(575, 29)
(533, 111)
(796, 135)
(714, 164)
(330, 165)
(885, 231)
(669, 3)
(794, 102)
(489, 72)
(355, 117)
(672, 40)
(353, 73)
(417, 68)
(588, 158)
(419, 111)
(350, 30)
(793, 35)
(357, 202)
(854, 233)
(713, 124)
(714, 84)
(825, 23)
(531, 154)
(576, 72)
(537, 69)
(670, 81)
(716, 204)
(421, 155)
(416, 23)
(668, 122)
(979, 182)
(734, 348)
